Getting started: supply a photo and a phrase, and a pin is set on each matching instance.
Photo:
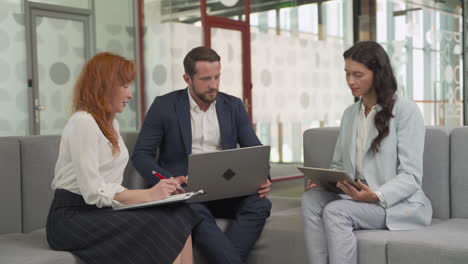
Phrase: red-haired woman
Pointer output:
(88, 178)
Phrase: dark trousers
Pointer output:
(248, 213)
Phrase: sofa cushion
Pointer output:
(38, 157)
(436, 180)
(445, 242)
(32, 248)
(10, 180)
(319, 145)
(459, 172)
(132, 179)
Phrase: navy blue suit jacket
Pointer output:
(167, 129)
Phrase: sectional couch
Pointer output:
(27, 169)
(27, 165)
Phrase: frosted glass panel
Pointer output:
(425, 47)
(228, 44)
(165, 48)
(115, 32)
(305, 75)
(60, 52)
(13, 74)
(297, 72)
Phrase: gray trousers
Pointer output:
(329, 221)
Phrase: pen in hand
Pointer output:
(164, 178)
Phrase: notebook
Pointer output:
(171, 199)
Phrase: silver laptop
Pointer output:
(228, 173)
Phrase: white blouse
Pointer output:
(85, 164)
(364, 124)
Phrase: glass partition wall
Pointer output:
(43, 45)
(296, 60)
(298, 70)
(424, 41)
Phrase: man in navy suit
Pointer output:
(195, 120)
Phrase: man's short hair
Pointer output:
(199, 54)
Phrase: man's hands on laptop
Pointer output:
(264, 189)
(183, 181)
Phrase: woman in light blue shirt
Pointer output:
(381, 144)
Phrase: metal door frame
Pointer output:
(210, 22)
(33, 10)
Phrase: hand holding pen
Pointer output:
(163, 189)
(181, 180)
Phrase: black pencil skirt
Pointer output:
(102, 235)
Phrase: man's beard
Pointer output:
(204, 96)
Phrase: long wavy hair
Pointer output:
(96, 87)
(374, 57)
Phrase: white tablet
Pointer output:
(326, 178)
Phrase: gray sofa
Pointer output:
(27, 169)
(446, 184)
(27, 165)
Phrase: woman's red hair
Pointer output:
(95, 88)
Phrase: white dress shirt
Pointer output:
(363, 126)
(85, 164)
(205, 128)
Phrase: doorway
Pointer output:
(59, 41)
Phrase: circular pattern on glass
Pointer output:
(115, 46)
(4, 40)
(265, 77)
(457, 49)
(130, 31)
(448, 74)
(159, 74)
(4, 96)
(114, 29)
(59, 73)
(19, 19)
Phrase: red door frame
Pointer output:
(209, 22)
(141, 56)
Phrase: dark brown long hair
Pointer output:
(374, 57)
(95, 88)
